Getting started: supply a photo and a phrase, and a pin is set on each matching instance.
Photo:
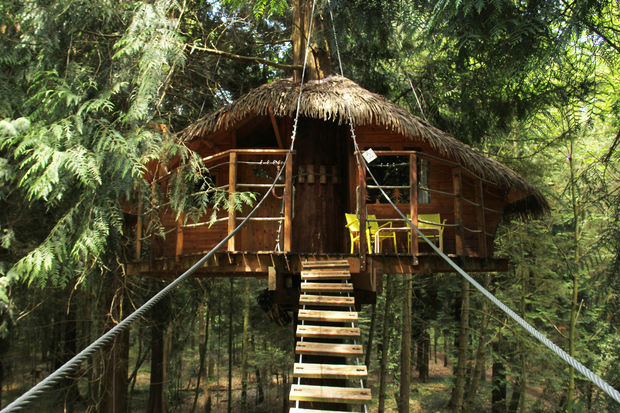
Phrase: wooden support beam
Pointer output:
(288, 205)
(272, 280)
(179, 244)
(457, 185)
(310, 174)
(413, 204)
(276, 129)
(232, 188)
(482, 226)
(361, 208)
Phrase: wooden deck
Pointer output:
(284, 270)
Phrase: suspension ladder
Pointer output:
(324, 377)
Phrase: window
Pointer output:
(392, 173)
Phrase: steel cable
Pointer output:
(590, 375)
(64, 370)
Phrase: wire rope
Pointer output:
(72, 364)
(589, 374)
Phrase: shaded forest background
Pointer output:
(90, 91)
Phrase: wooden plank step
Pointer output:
(326, 287)
(325, 264)
(306, 392)
(327, 332)
(326, 300)
(325, 275)
(329, 349)
(326, 315)
(296, 410)
(329, 371)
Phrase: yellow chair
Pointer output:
(435, 224)
(372, 227)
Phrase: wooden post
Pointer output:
(288, 205)
(458, 211)
(232, 188)
(413, 203)
(482, 237)
(139, 231)
(361, 209)
(179, 248)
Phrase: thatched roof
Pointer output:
(327, 100)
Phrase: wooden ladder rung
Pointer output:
(329, 349)
(326, 315)
(326, 300)
(326, 287)
(325, 264)
(327, 332)
(329, 371)
(296, 410)
(325, 275)
(353, 395)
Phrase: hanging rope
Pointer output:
(71, 365)
(590, 375)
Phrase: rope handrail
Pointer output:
(590, 375)
(72, 364)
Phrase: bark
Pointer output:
(285, 392)
(319, 61)
(445, 350)
(498, 392)
(230, 347)
(69, 384)
(459, 385)
(480, 353)
(435, 339)
(157, 401)
(384, 345)
(572, 330)
(116, 355)
(244, 346)
(405, 353)
(371, 334)
(515, 398)
(204, 332)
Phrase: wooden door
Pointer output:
(320, 187)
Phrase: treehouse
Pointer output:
(455, 194)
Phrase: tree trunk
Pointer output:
(116, 355)
(435, 339)
(445, 349)
(463, 353)
(480, 352)
(371, 334)
(230, 347)
(498, 392)
(244, 347)
(157, 401)
(319, 60)
(405, 353)
(572, 328)
(69, 384)
(204, 332)
(384, 345)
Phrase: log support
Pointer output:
(232, 188)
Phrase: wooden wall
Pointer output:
(325, 180)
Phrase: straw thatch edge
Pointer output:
(327, 100)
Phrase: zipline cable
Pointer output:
(589, 374)
(64, 370)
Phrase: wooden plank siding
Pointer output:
(313, 219)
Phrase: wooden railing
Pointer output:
(457, 172)
(232, 159)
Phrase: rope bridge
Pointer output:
(71, 365)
